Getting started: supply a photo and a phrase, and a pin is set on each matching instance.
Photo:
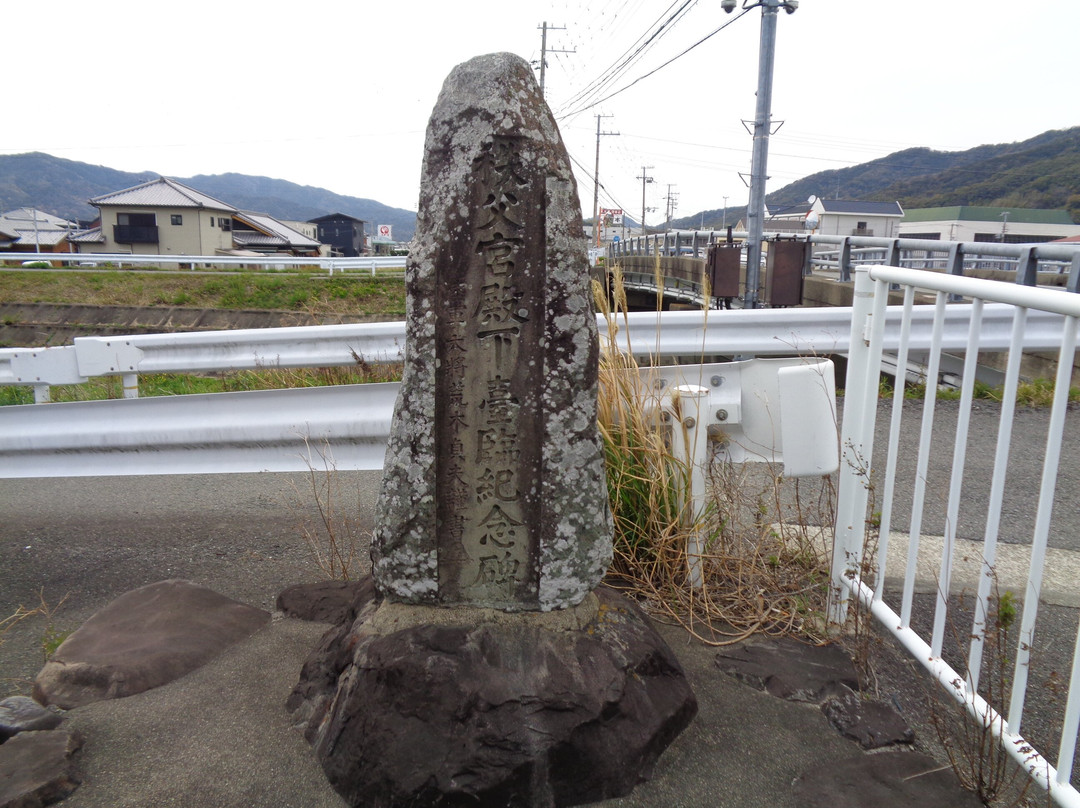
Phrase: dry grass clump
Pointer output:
(762, 557)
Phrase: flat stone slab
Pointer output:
(23, 714)
(871, 724)
(531, 710)
(789, 669)
(333, 602)
(37, 768)
(886, 780)
(143, 639)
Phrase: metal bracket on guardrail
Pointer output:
(40, 368)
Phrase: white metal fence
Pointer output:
(960, 676)
(372, 264)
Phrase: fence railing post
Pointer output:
(856, 441)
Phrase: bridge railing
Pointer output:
(961, 673)
(839, 255)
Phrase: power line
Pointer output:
(627, 59)
(704, 39)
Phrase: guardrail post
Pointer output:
(130, 381)
(1027, 267)
(42, 394)
(1073, 283)
(689, 446)
(845, 260)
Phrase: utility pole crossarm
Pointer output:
(545, 50)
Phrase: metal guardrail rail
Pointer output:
(371, 263)
(647, 335)
(961, 677)
(97, 441)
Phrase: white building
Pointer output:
(842, 217)
(979, 223)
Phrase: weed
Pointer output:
(758, 571)
(980, 762)
(333, 538)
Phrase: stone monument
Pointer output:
(491, 669)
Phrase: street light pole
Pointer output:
(755, 212)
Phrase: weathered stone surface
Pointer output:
(23, 714)
(332, 602)
(509, 713)
(37, 768)
(143, 639)
(887, 780)
(870, 723)
(789, 669)
(493, 491)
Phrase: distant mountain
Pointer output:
(63, 187)
(1042, 172)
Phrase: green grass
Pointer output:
(317, 294)
(1034, 393)
(179, 384)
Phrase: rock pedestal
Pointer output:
(485, 708)
(491, 674)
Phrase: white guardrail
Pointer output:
(371, 263)
(92, 438)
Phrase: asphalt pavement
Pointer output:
(220, 735)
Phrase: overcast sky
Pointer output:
(337, 94)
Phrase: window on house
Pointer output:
(211, 221)
(177, 218)
(136, 219)
(861, 225)
(226, 224)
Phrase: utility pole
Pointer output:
(596, 179)
(544, 27)
(724, 225)
(672, 203)
(645, 178)
(755, 212)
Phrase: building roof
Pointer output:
(861, 208)
(45, 237)
(269, 232)
(27, 217)
(787, 211)
(335, 216)
(977, 213)
(91, 236)
(162, 193)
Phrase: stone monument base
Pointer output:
(414, 705)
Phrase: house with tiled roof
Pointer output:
(261, 233)
(984, 223)
(31, 230)
(164, 217)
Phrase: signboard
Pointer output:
(612, 217)
(385, 231)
